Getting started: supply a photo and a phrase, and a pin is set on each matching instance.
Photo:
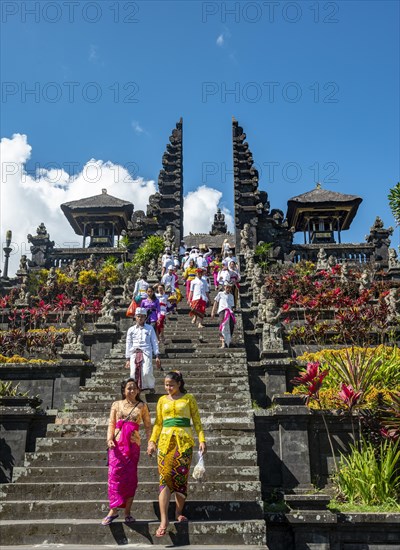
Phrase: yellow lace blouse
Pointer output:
(120, 410)
(184, 407)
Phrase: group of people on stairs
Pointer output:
(156, 302)
(171, 439)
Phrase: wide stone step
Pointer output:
(92, 458)
(142, 509)
(203, 393)
(103, 393)
(116, 360)
(225, 419)
(104, 408)
(96, 443)
(212, 490)
(236, 428)
(146, 473)
(80, 531)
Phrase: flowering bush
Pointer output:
(383, 364)
(309, 295)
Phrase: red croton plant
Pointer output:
(307, 297)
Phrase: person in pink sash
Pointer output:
(224, 301)
(123, 443)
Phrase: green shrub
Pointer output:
(370, 476)
(149, 250)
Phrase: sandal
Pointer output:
(161, 532)
(109, 519)
(129, 519)
(182, 519)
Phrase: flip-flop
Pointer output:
(129, 519)
(182, 519)
(109, 519)
(161, 532)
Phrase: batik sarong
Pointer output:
(227, 324)
(142, 370)
(174, 467)
(122, 465)
(198, 308)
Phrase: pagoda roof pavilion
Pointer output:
(320, 212)
(99, 208)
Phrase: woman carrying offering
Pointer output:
(174, 435)
(123, 442)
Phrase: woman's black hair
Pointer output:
(177, 376)
(124, 383)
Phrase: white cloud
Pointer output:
(93, 56)
(220, 40)
(199, 208)
(137, 128)
(26, 200)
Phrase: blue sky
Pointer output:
(314, 84)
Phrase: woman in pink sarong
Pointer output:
(123, 442)
(223, 304)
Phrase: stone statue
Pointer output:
(74, 336)
(23, 264)
(271, 338)
(23, 296)
(249, 263)
(73, 270)
(322, 262)
(393, 262)
(127, 290)
(258, 279)
(91, 262)
(365, 282)
(245, 238)
(152, 268)
(344, 274)
(393, 304)
(263, 300)
(51, 278)
(169, 238)
(107, 308)
(332, 262)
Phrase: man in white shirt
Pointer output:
(141, 343)
(166, 262)
(199, 298)
(201, 261)
(168, 280)
(224, 275)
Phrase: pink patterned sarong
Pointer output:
(227, 325)
(123, 462)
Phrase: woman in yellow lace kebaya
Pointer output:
(174, 435)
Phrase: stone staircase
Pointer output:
(60, 495)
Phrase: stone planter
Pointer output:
(20, 401)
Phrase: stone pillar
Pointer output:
(7, 250)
